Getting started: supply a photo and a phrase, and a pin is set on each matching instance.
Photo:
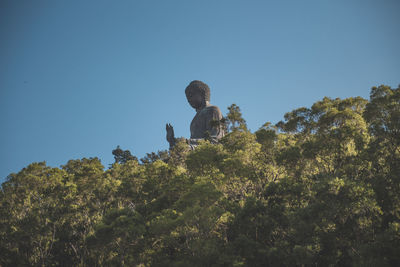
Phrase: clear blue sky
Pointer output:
(78, 78)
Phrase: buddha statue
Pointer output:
(205, 123)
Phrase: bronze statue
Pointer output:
(206, 122)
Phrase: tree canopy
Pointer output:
(320, 188)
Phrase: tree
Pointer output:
(152, 157)
(317, 189)
(234, 118)
(122, 156)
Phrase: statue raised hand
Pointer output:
(170, 135)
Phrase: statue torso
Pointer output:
(202, 123)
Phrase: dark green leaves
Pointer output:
(318, 189)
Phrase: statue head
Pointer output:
(197, 94)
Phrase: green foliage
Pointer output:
(318, 189)
(151, 157)
(234, 119)
(122, 156)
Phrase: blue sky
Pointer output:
(78, 78)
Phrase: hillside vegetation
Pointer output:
(321, 188)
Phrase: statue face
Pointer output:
(195, 98)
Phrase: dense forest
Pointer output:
(320, 188)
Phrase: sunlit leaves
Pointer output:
(318, 189)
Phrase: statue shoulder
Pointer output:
(213, 112)
(213, 109)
